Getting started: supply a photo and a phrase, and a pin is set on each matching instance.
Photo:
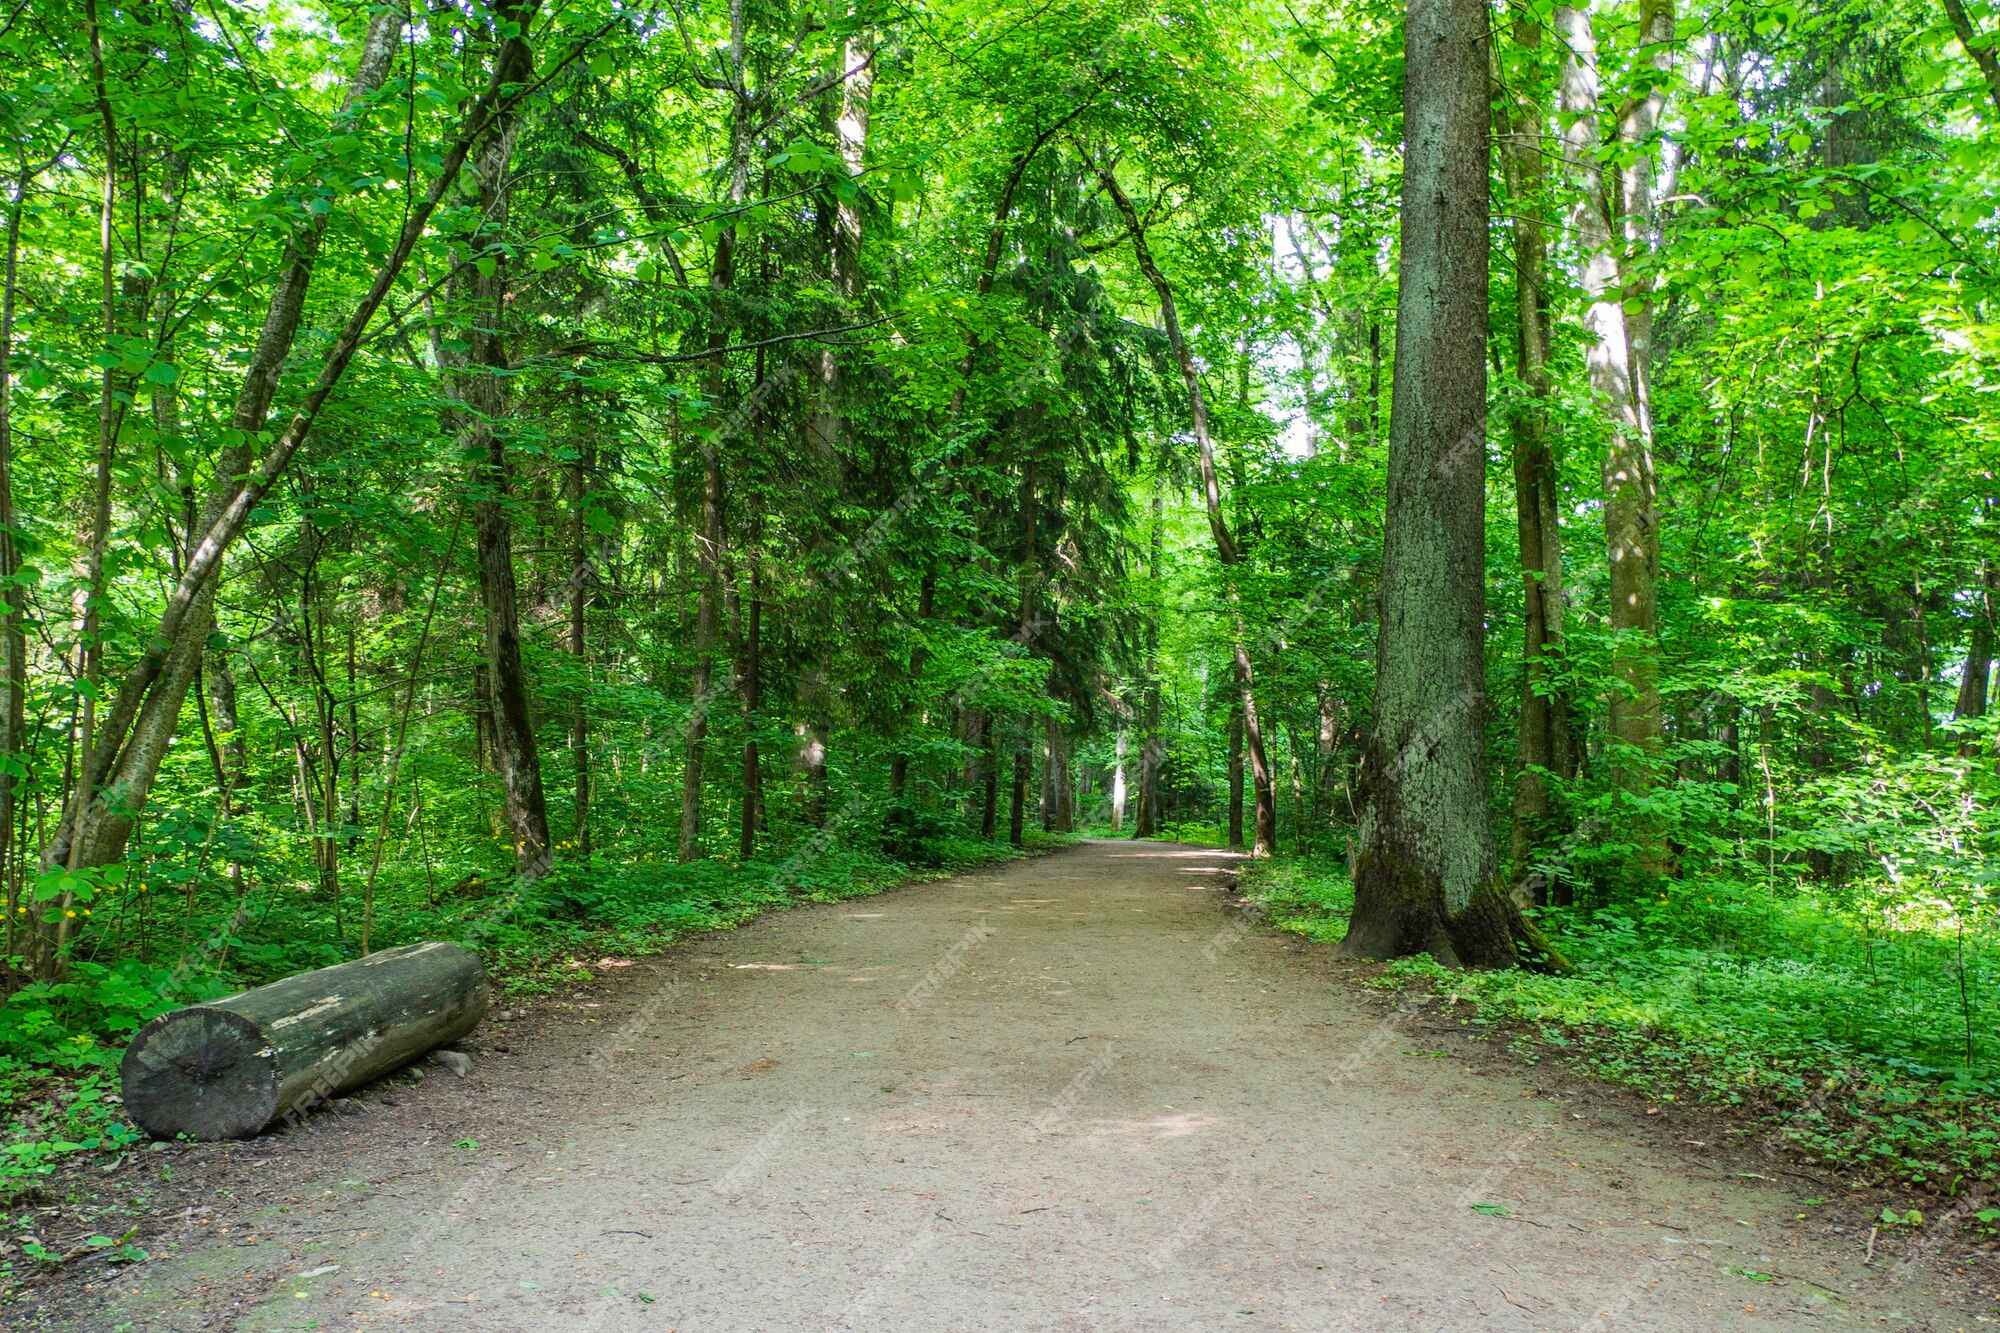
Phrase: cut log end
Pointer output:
(204, 1072)
(234, 1067)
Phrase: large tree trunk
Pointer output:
(1424, 874)
(1266, 823)
(1544, 743)
(230, 1068)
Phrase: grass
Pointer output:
(1853, 1043)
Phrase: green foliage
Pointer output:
(1848, 1044)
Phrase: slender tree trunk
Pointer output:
(13, 619)
(1424, 873)
(1619, 326)
(1374, 381)
(1118, 783)
(1544, 739)
(581, 564)
(1730, 770)
(484, 390)
(707, 623)
(1062, 805)
(1046, 809)
(1017, 808)
(812, 743)
(1327, 746)
(1236, 779)
(1974, 679)
(54, 930)
(851, 135)
(1146, 822)
(989, 815)
(133, 736)
(972, 732)
(709, 545)
(749, 690)
(899, 760)
(1266, 825)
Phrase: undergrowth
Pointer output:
(1853, 1044)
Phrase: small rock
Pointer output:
(458, 1062)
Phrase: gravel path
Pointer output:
(1067, 1093)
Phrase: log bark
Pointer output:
(232, 1068)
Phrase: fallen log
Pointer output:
(231, 1068)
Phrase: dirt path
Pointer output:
(1068, 1093)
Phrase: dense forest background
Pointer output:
(556, 477)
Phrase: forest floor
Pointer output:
(1073, 1092)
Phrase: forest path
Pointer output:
(1071, 1092)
